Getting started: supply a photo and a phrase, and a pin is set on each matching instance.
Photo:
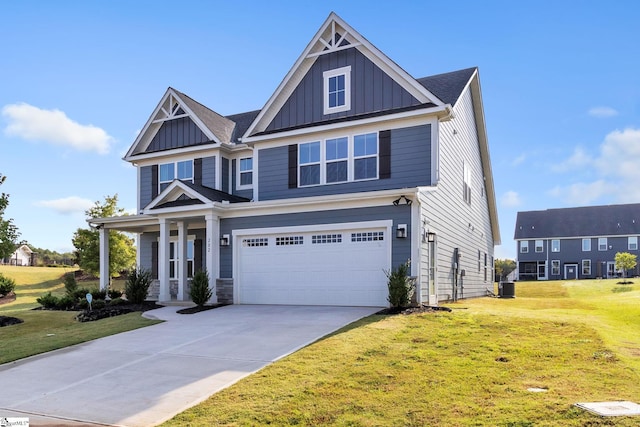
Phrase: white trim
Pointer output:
(571, 265)
(238, 234)
(172, 193)
(239, 186)
(326, 76)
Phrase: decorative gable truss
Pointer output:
(180, 122)
(324, 70)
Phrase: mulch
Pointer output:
(198, 309)
(10, 297)
(413, 310)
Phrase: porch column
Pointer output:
(163, 260)
(213, 254)
(182, 261)
(104, 258)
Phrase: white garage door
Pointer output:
(328, 267)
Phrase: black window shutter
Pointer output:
(385, 154)
(154, 260)
(197, 171)
(293, 166)
(197, 255)
(154, 181)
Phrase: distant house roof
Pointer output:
(448, 86)
(589, 221)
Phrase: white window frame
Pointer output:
(327, 162)
(351, 160)
(602, 244)
(524, 247)
(327, 75)
(555, 245)
(586, 245)
(175, 173)
(555, 267)
(175, 261)
(539, 246)
(466, 182)
(632, 243)
(586, 267)
(239, 172)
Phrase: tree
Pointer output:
(122, 253)
(504, 267)
(8, 231)
(625, 261)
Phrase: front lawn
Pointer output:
(472, 366)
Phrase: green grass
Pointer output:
(471, 367)
(45, 330)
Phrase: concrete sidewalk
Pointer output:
(146, 376)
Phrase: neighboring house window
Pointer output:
(586, 267)
(632, 244)
(479, 260)
(466, 183)
(524, 247)
(174, 259)
(555, 245)
(602, 243)
(310, 163)
(555, 267)
(586, 245)
(246, 172)
(179, 170)
(337, 159)
(539, 246)
(365, 156)
(337, 90)
(485, 266)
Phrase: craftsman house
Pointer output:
(351, 168)
(575, 243)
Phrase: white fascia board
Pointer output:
(313, 204)
(438, 111)
(173, 155)
(149, 122)
(195, 118)
(123, 221)
(176, 187)
(182, 211)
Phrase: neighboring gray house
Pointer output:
(575, 243)
(351, 168)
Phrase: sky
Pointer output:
(79, 79)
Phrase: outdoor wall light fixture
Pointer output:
(431, 237)
(224, 240)
(401, 232)
(397, 201)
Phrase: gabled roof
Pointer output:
(181, 193)
(448, 86)
(174, 105)
(588, 221)
(334, 35)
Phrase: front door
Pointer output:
(571, 271)
(611, 270)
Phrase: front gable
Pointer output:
(177, 122)
(372, 83)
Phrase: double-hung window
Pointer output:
(602, 243)
(337, 90)
(180, 170)
(309, 163)
(632, 243)
(337, 159)
(555, 267)
(586, 245)
(524, 247)
(539, 246)
(586, 267)
(365, 156)
(555, 245)
(246, 172)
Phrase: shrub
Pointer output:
(48, 301)
(80, 293)
(98, 304)
(7, 285)
(65, 303)
(70, 284)
(400, 286)
(117, 301)
(99, 294)
(114, 293)
(82, 304)
(200, 292)
(137, 285)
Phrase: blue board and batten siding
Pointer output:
(401, 248)
(371, 90)
(177, 133)
(246, 193)
(410, 167)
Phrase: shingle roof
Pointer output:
(242, 121)
(590, 221)
(219, 125)
(215, 195)
(448, 86)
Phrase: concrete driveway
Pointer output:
(146, 376)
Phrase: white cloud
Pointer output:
(579, 159)
(602, 112)
(518, 160)
(510, 199)
(54, 127)
(582, 194)
(67, 205)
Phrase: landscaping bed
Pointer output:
(8, 321)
